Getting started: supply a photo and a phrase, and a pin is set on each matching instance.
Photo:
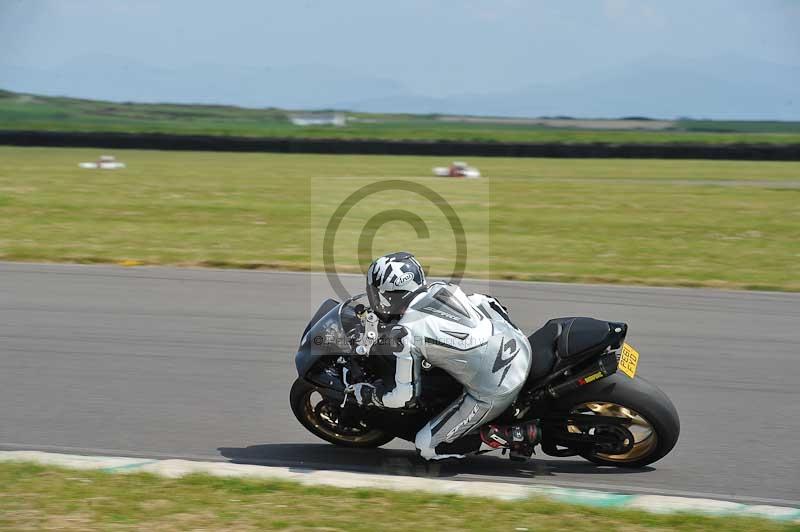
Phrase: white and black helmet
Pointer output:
(392, 280)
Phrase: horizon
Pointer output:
(609, 59)
(342, 110)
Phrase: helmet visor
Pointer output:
(389, 304)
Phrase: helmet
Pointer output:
(392, 281)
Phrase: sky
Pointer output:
(411, 53)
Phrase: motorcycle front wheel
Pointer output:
(653, 419)
(321, 416)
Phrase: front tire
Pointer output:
(319, 416)
(654, 420)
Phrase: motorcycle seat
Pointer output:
(563, 341)
(543, 350)
(583, 336)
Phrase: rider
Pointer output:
(469, 337)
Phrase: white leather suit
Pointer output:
(472, 339)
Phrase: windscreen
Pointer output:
(326, 336)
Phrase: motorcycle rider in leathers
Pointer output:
(469, 336)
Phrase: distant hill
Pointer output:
(105, 77)
(659, 87)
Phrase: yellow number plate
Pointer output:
(629, 360)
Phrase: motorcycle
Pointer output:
(582, 387)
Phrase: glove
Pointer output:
(390, 340)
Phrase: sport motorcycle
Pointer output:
(582, 387)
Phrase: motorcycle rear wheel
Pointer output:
(654, 420)
(319, 416)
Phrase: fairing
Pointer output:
(327, 333)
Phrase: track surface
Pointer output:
(198, 363)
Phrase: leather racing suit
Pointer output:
(472, 339)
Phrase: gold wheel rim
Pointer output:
(645, 438)
(324, 424)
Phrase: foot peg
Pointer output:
(520, 451)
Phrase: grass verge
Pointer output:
(725, 224)
(37, 498)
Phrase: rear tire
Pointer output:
(641, 400)
(308, 415)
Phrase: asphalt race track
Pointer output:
(169, 362)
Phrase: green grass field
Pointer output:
(38, 498)
(27, 112)
(688, 223)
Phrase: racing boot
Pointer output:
(520, 439)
